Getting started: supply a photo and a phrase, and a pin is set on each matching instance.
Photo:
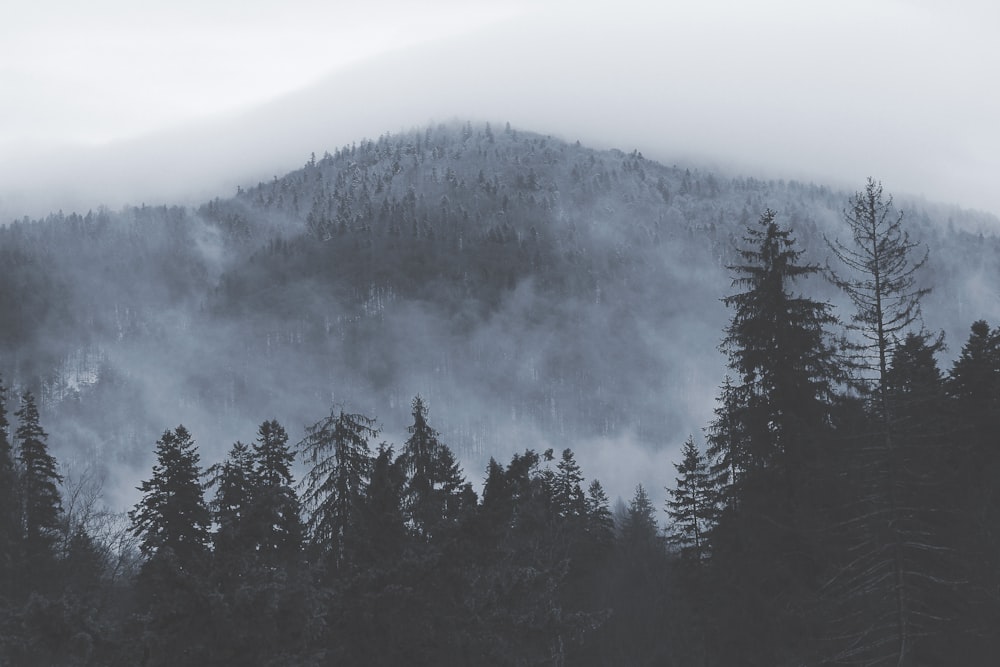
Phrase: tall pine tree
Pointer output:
(41, 501)
(172, 521)
(335, 486)
(10, 509)
(881, 589)
(692, 504)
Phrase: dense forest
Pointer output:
(838, 510)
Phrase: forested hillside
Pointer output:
(534, 291)
(545, 303)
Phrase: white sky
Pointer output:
(116, 101)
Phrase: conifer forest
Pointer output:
(470, 395)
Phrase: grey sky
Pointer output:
(120, 102)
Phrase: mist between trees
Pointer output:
(534, 293)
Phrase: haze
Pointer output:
(114, 104)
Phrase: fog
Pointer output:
(783, 90)
(775, 91)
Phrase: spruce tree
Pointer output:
(172, 515)
(337, 449)
(973, 389)
(600, 523)
(171, 521)
(233, 543)
(692, 504)
(638, 530)
(769, 438)
(277, 528)
(567, 494)
(41, 501)
(436, 491)
(10, 502)
(880, 268)
(778, 343)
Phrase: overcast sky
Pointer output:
(117, 101)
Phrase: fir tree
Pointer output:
(172, 515)
(335, 486)
(234, 495)
(171, 521)
(567, 494)
(883, 581)
(276, 527)
(778, 344)
(769, 435)
(600, 523)
(41, 502)
(638, 530)
(10, 512)
(691, 506)
(436, 492)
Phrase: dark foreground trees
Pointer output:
(836, 520)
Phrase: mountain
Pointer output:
(536, 293)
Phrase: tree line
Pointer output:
(841, 511)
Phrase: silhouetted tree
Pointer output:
(436, 491)
(171, 521)
(335, 486)
(692, 504)
(10, 510)
(40, 500)
(884, 580)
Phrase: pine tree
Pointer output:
(436, 492)
(638, 530)
(277, 528)
(41, 502)
(883, 580)
(172, 516)
(335, 487)
(691, 506)
(973, 389)
(10, 513)
(600, 523)
(235, 488)
(263, 606)
(768, 439)
(567, 494)
(727, 446)
(779, 345)
(171, 521)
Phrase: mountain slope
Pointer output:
(536, 293)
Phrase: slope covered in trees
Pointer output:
(843, 512)
(536, 290)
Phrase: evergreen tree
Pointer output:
(277, 528)
(436, 491)
(335, 487)
(383, 529)
(172, 515)
(601, 524)
(884, 581)
(778, 344)
(235, 488)
(171, 521)
(567, 494)
(973, 388)
(691, 506)
(638, 530)
(264, 608)
(41, 502)
(769, 435)
(727, 446)
(10, 511)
